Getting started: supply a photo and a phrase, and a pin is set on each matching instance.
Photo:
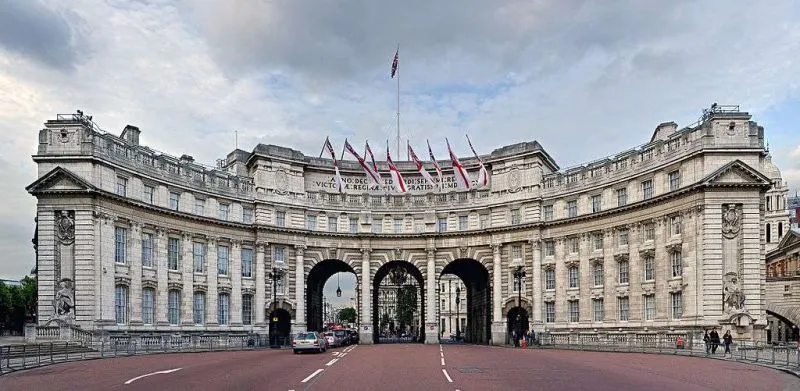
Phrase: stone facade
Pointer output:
(668, 235)
(783, 289)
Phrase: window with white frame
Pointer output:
(121, 304)
(574, 245)
(120, 244)
(353, 225)
(333, 224)
(247, 309)
(622, 197)
(598, 309)
(147, 249)
(122, 186)
(649, 307)
(674, 180)
(377, 225)
(623, 236)
(675, 225)
(677, 304)
(174, 307)
(148, 305)
(463, 223)
(311, 222)
(148, 195)
(516, 252)
(199, 257)
(278, 255)
(597, 240)
(548, 212)
(596, 201)
(172, 253)
(574, 310)
(397, 225)
(647, 189)
(223, 211)
(649, 268)
(222, 260)
(223, 308)
(199, 308)
(516, 218)
(484, 220)
(572, 208)
(174, 200)
(676, 262)
(442, 224)
(247, 215)
(550, 279)
(280, 218)
(200, 206)
(624, 308)
(597, 273)
(550, 312)
(247, 262)
(623, 272)
(573, 277)
(549, 248)
(649, 232)
(419, 225)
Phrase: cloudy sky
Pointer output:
(584, 79)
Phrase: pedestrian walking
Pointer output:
(714, 340)
(798, 351)
(727, 339)
(707, 340)
(533, 337)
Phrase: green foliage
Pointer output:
(347, 315)
(406, 305)
(384, 320)
(17, 303)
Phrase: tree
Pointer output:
(406, 305)
(17, 303)
(347, 315)
(384, 321)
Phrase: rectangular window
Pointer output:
(419, 225)
(122, 186)
(462, 223)
(550, 279)
(598, 309)
(515, 217)
(222, 260)
(442, 224)
(200, 206)
(280, 218)
(573, 276)
(574, 311)
(597, 239)
(397, 224)
(596, 203)
(247, 262)
(677, 304)
(223, 303)
(278, 257)
(311, 222)
(247, 215)
(247, 309)
(769, 204)
(174, 307)
(484, 218)
(199, 257)
(120, 243)
(649, 307)
(147, 250)
(622, 197)
(223, 211)
(675, 225)
(574, 245)
(354, 225)
(598, 274)
(516, 252)
(199, 308)
(549, 248)
(623, 237)
(623, 272)
(647, 189)
(649, 232)
(148, 195)
(333, 224)
(148, 306)
(377, 225)
(172, 253)
(572, 208)
(550, 312)
(649, 268)
(121, 304)
(280, 285)
(624, 309)
(674, 180)
(548, 212)
(677, 263)
(174, 200)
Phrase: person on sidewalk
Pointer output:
(727, 339)
(707, 340)
(798, 352)
(714, 340)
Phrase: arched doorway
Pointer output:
(398, 305)
(475, 278)
(780, 329)
(517, 320)
(280, 324)
(316, 307)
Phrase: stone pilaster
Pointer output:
(536, 285)
(431, 323)
(161, 240)
(107, 283)
(212, 276)
(365, 333)
(498, 325)
(187, 291)
(299, 289)
(260, 299)
(134, 261)
(236, 283)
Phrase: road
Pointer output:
(402, 367)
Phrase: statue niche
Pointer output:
(65, 227)
(732, 292)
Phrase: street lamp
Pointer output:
(519, 274)
(458, 317)
(338, 286)
(275, 275)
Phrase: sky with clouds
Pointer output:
(583, 78)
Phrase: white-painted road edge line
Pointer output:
(442, 361)
(446, 375)
(151, 374)
(312, 376)
(332, 362)
(441, 354)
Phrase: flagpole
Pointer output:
(398, 101)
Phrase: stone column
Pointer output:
(134, 260)
(212, 276)
(431, 323)
(107, 283)
(236, 283)
(299, 290)
(260, 271)
(187, 290)
(536, 285)
(498, 326)
(365, 333)
(160, 261)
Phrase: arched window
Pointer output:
(247, 309)
(174, 307)
(199, 308)
(148, 305)
(223, 306)
(780, 230)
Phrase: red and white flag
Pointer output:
(338, 176)
(368, 151)
(462, 179)
(435, 164)
(397, 179)
(421, 167)
(483, 175)
(372, 176)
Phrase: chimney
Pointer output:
(131, 134)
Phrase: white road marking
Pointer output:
(440, 348)
(441, 353)
(151, 374)
(442, 361)
(342, 355)
(335, 353)
(312, 375)
(332, 362)
(446, 375)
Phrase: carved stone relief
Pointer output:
(514, 180)
(733, 296)
(65, 227)
(281, 182)
(731, 219)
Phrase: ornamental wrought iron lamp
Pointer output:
(519, 274)
(338, 286)
(458, 315)
(275, 275)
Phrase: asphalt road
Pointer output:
(402, 367)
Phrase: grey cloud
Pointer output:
(30, 28)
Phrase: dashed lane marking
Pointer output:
(441, 354)
(311, 376)
(447, 375)
(332, 362)
(151, 374)
(442, 361)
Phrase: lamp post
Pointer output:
(275, 275)
(458, 315)
(519, 274)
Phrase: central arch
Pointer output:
(384, 272)
(315, 283)
(475, 277)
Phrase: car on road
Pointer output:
(309, 341)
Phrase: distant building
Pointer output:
(794, 208)
(10, 282)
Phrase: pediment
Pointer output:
(59, 180)
(792, 237)
(737, 173)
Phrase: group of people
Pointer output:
(529, 336)
(712, 341)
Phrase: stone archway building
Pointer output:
(133, 240)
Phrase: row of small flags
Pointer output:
(374, 177)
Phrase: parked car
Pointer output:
(341, 338)
(310, 340)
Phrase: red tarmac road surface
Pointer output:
(404, 367)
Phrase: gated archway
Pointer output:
(401, 278)
(315, 282)
(475, 277)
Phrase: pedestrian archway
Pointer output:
(316, 308)
(398, 305)
(280, 324)
(475, 278)
(517, 321)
